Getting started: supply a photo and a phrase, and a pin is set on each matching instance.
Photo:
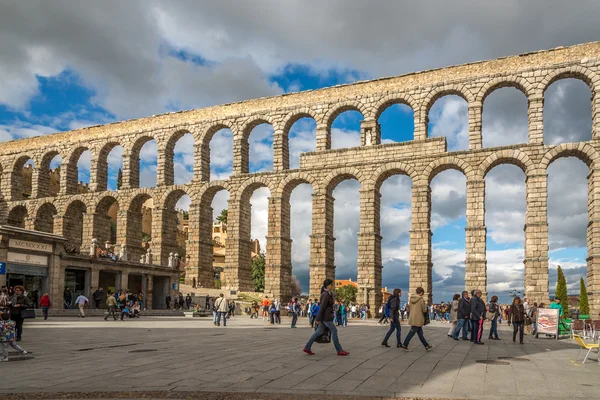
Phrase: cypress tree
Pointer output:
(584, 305)
(561, 292)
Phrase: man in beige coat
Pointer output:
(222, 307)
(416, 319)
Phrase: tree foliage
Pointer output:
(561, 292)
(347, 293)
(258, 272)
(119, 179)
(223, 217)
(584, 305)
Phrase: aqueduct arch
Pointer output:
(371, 163)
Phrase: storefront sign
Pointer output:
(27, 270)
(547, 321)
(2, 268)
(20, 258)
(27, 245)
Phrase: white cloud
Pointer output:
(449, 117)
(342, 138)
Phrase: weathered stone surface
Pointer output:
(371, 163)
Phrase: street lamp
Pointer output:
(514, 293)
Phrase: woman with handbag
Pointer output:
(19, 303)
(325, 319)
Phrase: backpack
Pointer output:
(386, 310)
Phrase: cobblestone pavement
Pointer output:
(190, 358)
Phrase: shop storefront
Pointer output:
(24, 267)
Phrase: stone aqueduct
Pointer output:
(80, 217)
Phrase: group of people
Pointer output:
(179, 301)
(123, 302)
(468, 313)
(13, 301)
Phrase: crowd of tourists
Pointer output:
(14, 304)
(179, 301)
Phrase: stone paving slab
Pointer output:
(190, 358)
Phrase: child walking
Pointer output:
(7, 336)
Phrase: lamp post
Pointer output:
(514, 293)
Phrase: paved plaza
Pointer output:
(190, 358)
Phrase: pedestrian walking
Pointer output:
(533, 315)
(81, 302)
(97, 296)
(111, 302)
(477, 317)
(168, 301)
(18, 303)
(294, 310)
(325, 319)
(4, 300)
(222, 306)
(45, 303)
(7, 336)
(494, 313)
(188, 301)
(517, 311)
(393, 311)
(463, 316)
(416, 319)
(453, 317)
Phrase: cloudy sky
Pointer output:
(65, 65)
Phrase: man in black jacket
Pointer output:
(97, 296)
(463, 314)
(477, 317)
(393, 306)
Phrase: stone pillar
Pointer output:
(68, 178)
(593, 241)
(369, 249)
(322, 256)
(40, 182)
(129, 233)
(420, 241)
(278, 265)
(535, 118)
(11, 185)
(164, 168)
(98, 173)
(149, 291)
(202, 161)
(197, 244)
(323, 137)
(281, 155)
(595, 115)
(30, 223)
(237, 274)
(475, 138)
(95, 279)
(164, 239)
(241, 153)
(127, 176)
(95, 226)
(370, 133)
(420, 128)
(536, 239)
(475, 238)
(124, 281)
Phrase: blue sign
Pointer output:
(174, 286)
(2, 268)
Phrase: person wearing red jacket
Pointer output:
(45, 303)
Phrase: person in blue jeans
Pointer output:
(325, 319)
(393, 306)
(463, 315)
(494, 310)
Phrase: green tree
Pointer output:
(347, 293)
(584, 305)
(561, 292)
(223, 217)
(119, 179)
(258, 272)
